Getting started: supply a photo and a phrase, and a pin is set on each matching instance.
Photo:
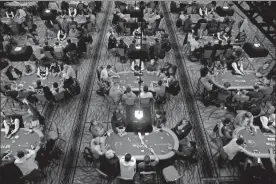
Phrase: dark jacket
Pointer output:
(10, 76)
(111, 167)
(184, 132)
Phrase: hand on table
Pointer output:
(271, 151)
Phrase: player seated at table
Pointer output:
(97, 128)
(237, 67)
(56, 89)
(107, 73)
(118, 122)
(225, 130)
(13, 73)
(61, 35)
(244, 119)
(50, 49)
(149, 31)
(160, 119)
(147, 165)
(166, 70)
(70, 47)
(73, 32)
(98, 147)
(138, 32)
(146, 93)
(72, 11)
(256, 93)
(128, 94)
(135, 65)
(268, 123)
(128, 166)
(11, 123)
(37, 121)
(55, 69)
(152, 67)
(186, 152)
(116, 91)
(67, 82)
(182, 128)
(160, 89)
(110, 164)
(42, 71)
(231, 150)
(26, 161)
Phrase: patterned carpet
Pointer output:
(73, 117)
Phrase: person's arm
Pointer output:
(237, 71)
(213, 81)
(142, 66)
(114, 128)
(272, 158)
(16, 128)
(94, 132)
(156, 159)
(38, 72)
(6, 127)
(132, 65)
(241, 69)
(58, 35)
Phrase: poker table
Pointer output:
(130, 143)
(128, 39)
(237, 81)
(79, 18)
(20, 141)
(256, 145)
(52, 42)
(30, 80)
(16, 4)
(127, 78)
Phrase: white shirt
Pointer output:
(232, 148)
(37, 51)
(146, 95)
(104, 74)
(27, 164)
(134, 64)
(128, 169)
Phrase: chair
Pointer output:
(219, 53)
(222, 26)
(33, 177)
(120, 178)
(48, 55)
(207, 54)
(145, 174)
(145, 101)
(60, 96)
(228, 53)
(54, 133)
(121, 52)
(130, 102)
(104, 178)
(87, 155)
(171, 174)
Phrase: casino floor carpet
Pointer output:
(73, 117)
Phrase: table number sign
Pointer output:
(6, 146)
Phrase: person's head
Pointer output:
(133, 41)
(128, 89)
(57, 43)
(97, 141)
(160, 83)
(38, 82)
(145, 88)
(94, 122)
(197, 38)
(147, 159)
(108, 67)
(149, 26)
(240, 141)
(137, 61)
(202, 16)
(65, 76)
(255, 111)
(229, 42)
(152, 61)
(256, 88)
(220, 42)
(46, 42)
(210, 43)
(72, 18)
(20, 154)
(238, 52)
(248, 115)
(159, 114)
(55, 85)
(189, 17)
(109, 154)
(128, 157)
(204, 72)
(68, 40)
(227, 85)
(226, 121)
(121, 40)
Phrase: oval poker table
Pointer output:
(238, 81)
(130, 143)
(20, 141)
(128, 79)
(257, 145)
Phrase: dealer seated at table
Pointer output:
(135, 66)
(244, 119)
(160, 119)
(118, 122)
(166, 70)
(152, 67)
(12, 123)
(147, 165)
(98, 147)
(268, 123)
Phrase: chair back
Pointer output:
(203, 26)
(189, 10)
(222, 26)
(147, 172)
(219, 52)
(125, 179)
(60, 96)
(121, 51)
(102, 175)
(41, 98)
(130, 101)
(34, 175)
(171, 174)
(228, 53)
(48, 54)
(145, 101)
(109, 99)
(207, 54)
(59, 55)
(87, 155)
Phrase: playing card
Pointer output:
(142, 150)
(13, 141)
(161, 137)
(16, 137)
